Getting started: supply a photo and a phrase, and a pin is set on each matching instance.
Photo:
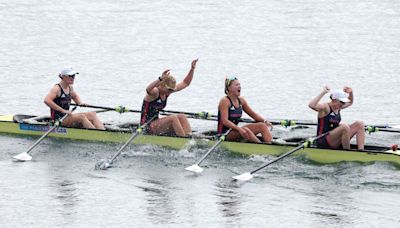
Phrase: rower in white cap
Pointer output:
(59, 100)
(329, 120)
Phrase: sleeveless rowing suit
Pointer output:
(325, 124)
(234, 115)
(151, 109)
(64, 101)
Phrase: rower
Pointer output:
(329, 120)
(155, 100)
(230, 111)
(59, 100)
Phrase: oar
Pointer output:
(105, 163)
(195, 167)
(197, 115)
(209, 116)
(122, 109)
(371, 129)
(247, 176)
(25, 156)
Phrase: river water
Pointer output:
(283, 52)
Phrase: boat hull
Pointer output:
(315, 154)
(91, 135)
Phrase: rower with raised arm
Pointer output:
(230, 111)
(329, 120)
(155, 100)
(59, 100)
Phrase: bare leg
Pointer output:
(252, 136)
(260, 128)
(167, 124)
(77, 119)
(235, 135)
(357, 128)
(185, 124)
(340, 136)
(92, 117)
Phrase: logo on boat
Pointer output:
(29, 127)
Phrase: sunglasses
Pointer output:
(341, 102)
(71, 76)
(229, 80)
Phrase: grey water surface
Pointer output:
(283, 52)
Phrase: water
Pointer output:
(283, 52)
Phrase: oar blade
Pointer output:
(194, 168)
(22, 157)
(104, 164)
(243, 177)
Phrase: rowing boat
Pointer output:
(36, 126)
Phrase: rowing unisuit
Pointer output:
(64, 101)
(325, 124)
(234, 115)
(152, 108)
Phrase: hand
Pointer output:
(165, 74)
(269, 125)
(325, 89)
(347, 89)
(194, 63)
(66, 112)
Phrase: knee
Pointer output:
(174, 119)
(91, 114)
(359, 124)
(247, 130)
(181, 117)
(345, 128)
(262, 126)
(81, 117)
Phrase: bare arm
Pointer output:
(247, 109)
(314, 103)
(75, 97)
(188, 79)
(348, 90)
(151, 89)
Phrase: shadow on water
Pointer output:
(64, 189)
(228, 200)
(159, 203)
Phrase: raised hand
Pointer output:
(347, 89)
(165, 74)
(325, 89)
(194, 62)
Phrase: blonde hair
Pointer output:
(228, 82)
(169, 82)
